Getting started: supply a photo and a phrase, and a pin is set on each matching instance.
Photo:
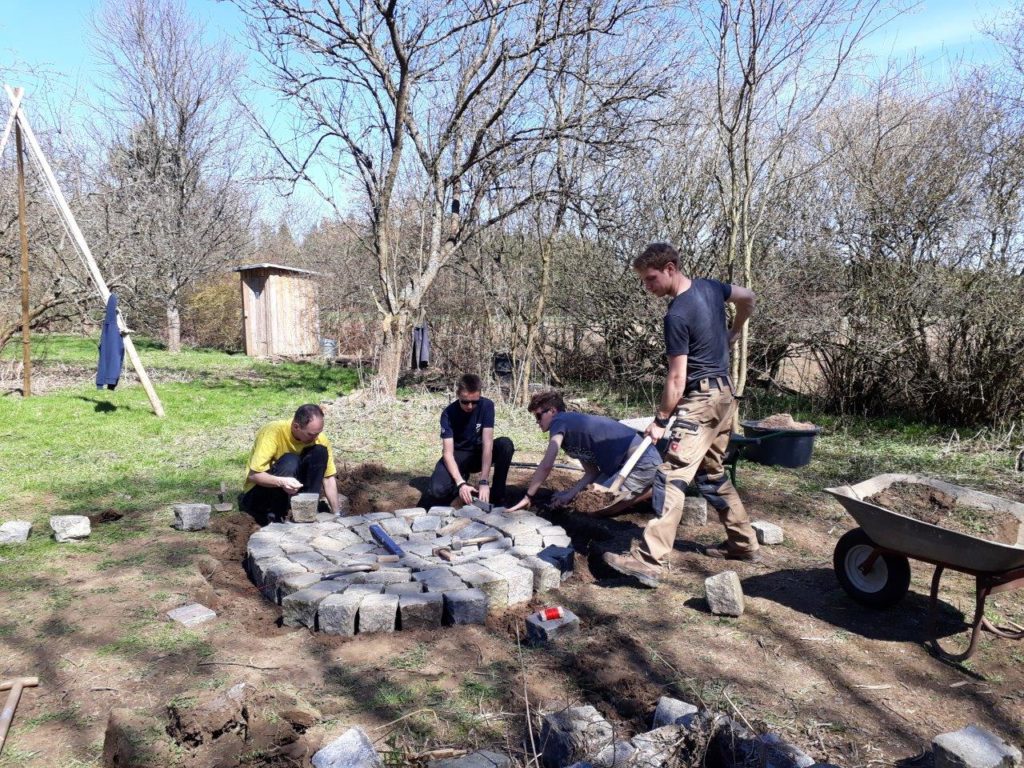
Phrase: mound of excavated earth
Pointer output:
(406, 569)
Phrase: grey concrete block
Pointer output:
(615, 755)
(724, 594)
(353, 749)
(191, 615)
(70, 527)
(15, 531)
(378, 613)
(545, 576)
(410, 513)
(673, 712)
(573, 734)
(695, 511)
(365, 589)
(560, 557)
(487, 581)
(465, 606)
(191, 517)
(293, 582)
(298, 609)
(425, 610)
(426, 524)
(519, 578)
(389, 576)
(768, 533)
(405, 588)
(304, 507)
(974, 747)
(313, 561)
(533, 539)
(658, 747)
(336, 614)
(541, 631)
(396, 527)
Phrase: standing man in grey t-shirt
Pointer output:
(698, 391)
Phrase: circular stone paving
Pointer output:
(410, 568)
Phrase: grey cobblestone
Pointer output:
(378, 613)
(422, 611)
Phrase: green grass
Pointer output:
(80, 450)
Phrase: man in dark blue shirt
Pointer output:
(468, 445)
(600, 444)
(700, 394)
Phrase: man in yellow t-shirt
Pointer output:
(289, 457)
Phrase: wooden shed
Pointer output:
(280, 314)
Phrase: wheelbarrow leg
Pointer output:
(982, 589)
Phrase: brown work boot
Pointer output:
(627, 565)
(722, 552)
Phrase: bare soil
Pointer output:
(847, 684)
(784, 421)
(933, 506)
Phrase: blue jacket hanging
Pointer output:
(108, 372)
(420, 346)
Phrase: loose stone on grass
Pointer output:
(767, 533)
(353, 749)
(673, 712)
(70, 527)
(724, 594)
(191, 517)
(573, 734)
(15, 531)
(191, 615)
(974, 747)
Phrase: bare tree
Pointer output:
(773, 64)
(442, 113)
(175, 210)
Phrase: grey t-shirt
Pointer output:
(596, 440)
(695, 326)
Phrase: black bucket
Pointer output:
(779, 447)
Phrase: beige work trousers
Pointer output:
(700, 437)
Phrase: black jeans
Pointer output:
(268, 504)
(442, 486)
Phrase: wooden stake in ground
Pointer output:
(26, 339)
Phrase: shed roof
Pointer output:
(275, 266)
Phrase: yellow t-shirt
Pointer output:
(273, 441)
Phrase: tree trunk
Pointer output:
(173, 328)
(396, 330)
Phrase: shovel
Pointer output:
(620, 478)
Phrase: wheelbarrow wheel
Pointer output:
(882, 586)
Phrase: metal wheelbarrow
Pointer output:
(872, 562)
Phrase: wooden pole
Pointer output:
(83, 246)
(26, 331)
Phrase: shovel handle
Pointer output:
(633, 459)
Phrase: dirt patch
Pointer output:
(784, 421)
(930, 505)
(373, 488)
(591, 500)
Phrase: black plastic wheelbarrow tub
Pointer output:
(777, 447)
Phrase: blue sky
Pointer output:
(53, 35)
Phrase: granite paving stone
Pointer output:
(465, 606)
(336, 614)
(378, 613)
(422, 611)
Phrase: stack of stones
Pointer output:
(297, 565)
